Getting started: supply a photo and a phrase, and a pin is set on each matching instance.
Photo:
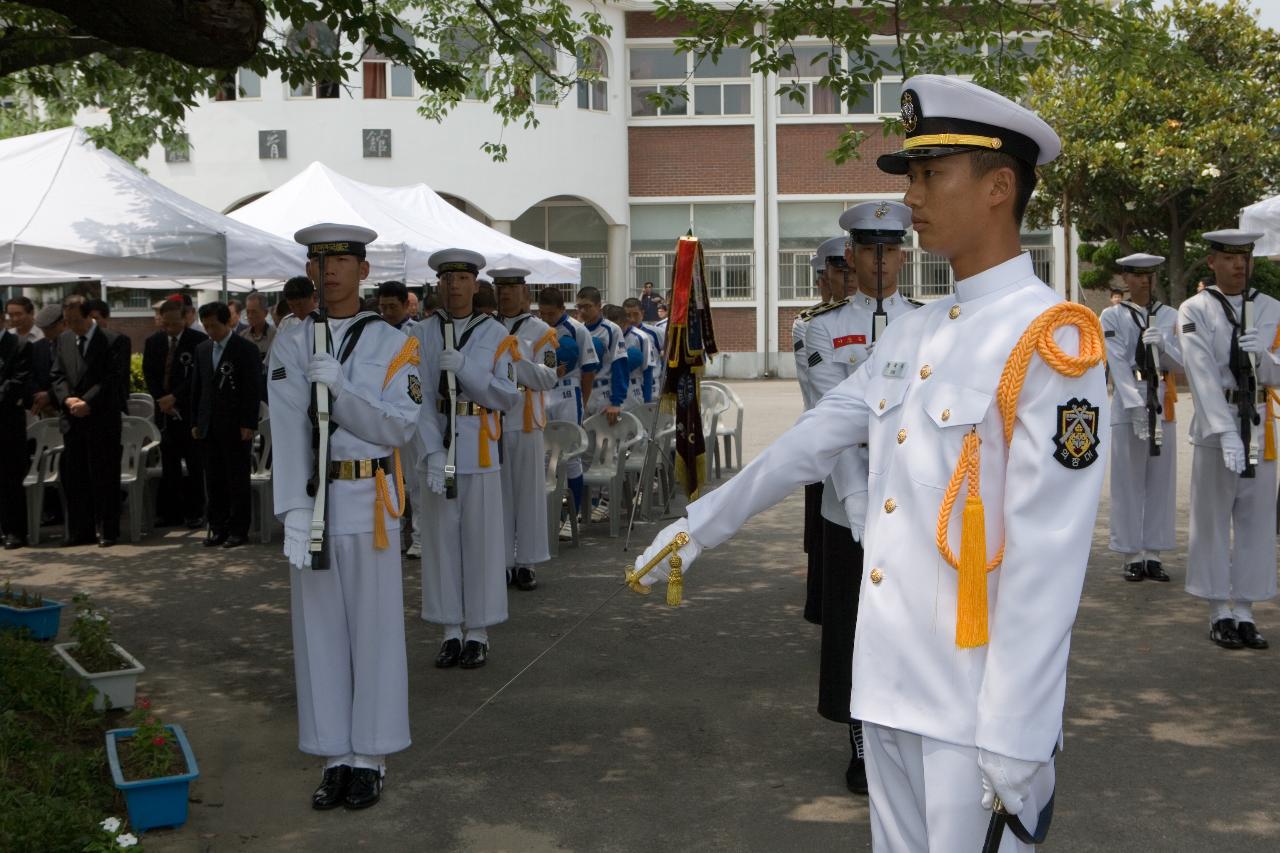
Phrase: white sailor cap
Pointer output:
(832, 252)
(330, 238)
(944, 116)
(1139, 263)
(818, 263)
(456, 260)
(877, 222)
(509, 275)
(1232, 241)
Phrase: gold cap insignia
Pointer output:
(910, 111)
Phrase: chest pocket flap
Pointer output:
(885, 393)
(950, 405)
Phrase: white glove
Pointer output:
(1152, 337)
(855, 507)
(688, 553)
(1249, 341)
(451, 360)
(1006, 778)
(325, 368)
(433, 473)
(1233, 452)
(297, 535)
(1140, 430)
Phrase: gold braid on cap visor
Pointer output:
(934, 140)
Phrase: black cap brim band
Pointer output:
(458, 266)
(940, 136)
(880, 237)
(1231, 248)
(345, 247)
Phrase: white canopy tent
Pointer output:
(74, 210)
(411, 221)
(1265, 217)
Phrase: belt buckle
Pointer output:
(365, 468)
(345, 469)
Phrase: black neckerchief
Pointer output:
(353, 333)
(1138, 319)
(1228, 309)
(519, 321)
(474, 321)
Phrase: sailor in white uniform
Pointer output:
(1143, 485)
(524, 469)
(840, 337)
(1228, 334)
(576, 366)
(464, 585)
(347, 610)
(983, 492)
(609, 390)
(812, 491)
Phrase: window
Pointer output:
(727, 233)
(718, 86)
(545, 88)
(810, 63)
(808, 66)
(314, 37)
(802, 227)
(593, 93)
(377, 70)
(243, 84)
(462, 48)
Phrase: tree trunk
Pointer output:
(1177, 274)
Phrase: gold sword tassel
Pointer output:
(675, 578)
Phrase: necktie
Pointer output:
(81, 340)
(168, 362)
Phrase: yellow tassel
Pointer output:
(971, 604)
(380, 540)
(528, 410)
(1269, 429)
(675, 582)
(1170, 395)
(484, 438)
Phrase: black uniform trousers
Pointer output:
(841, 579)
(813, 525)
(90, 474)
(15, 461)
(181, 494)
(228, 466)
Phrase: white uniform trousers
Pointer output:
(349, 652)
(1143, 491)
(524, 497)
(926, 795)
(464, 570)
(1220, 566)
(413, 485)
(564, 403)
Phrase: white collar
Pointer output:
(994, 279)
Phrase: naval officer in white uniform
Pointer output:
(984, 415)
(464, 587)
(1230, 361)
(1143, 486)
(812, 491)
(348, 619)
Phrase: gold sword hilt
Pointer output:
(675, 578)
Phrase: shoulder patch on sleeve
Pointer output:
(549, 358)
(1188, 328)
(279, 373)
(1109, 333)
(797, 344)
(1075, 439)
(815, 358)
(415, 389)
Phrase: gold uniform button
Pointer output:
(882, 404)
(902, 436)
(925, 371)
(876, 576)
(946, 414)
(954, 312)
(890, 505)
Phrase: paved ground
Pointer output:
(656, 729)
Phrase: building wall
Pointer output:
(691, 161)
(805, 168)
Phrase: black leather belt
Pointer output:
(1234, 396)
(465, 407)
(358, 469)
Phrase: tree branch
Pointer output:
(18, 52)
(536, 60)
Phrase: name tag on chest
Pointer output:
(848, 340)
(895, 369)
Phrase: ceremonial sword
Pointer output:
(320, 402)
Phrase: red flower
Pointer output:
(158, 740)
(144, 703)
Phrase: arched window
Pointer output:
(545, 89)
(593, 64)
(377, 68)
(314, 37)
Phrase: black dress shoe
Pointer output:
(213, 540)
(1249, 636)
(450, 651)
(105, 542)
(1134, 572)
(474, 655)
(365, 788)
(333, 788)
(14, 542)
(1155, 571)
(75, 541)
(194, 523)
(525, 579)
(233, 541)
(1224, 633)
(856, 776)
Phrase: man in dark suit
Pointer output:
(225, 397)
(49, 321)
(15, 394)
(168, 366)
(89, 390)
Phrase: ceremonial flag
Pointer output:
(690, 343)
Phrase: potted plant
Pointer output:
(111, 839)
(30, 610)
(152, 764)
(101, 663)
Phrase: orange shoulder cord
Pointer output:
(972, 565)
(1269, 426)
(534, 420)
(509, 344)
(408, 355)
(1170, 395)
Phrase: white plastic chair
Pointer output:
(563, 441)
(260, 479)
(730, 434)
(609, 447)
(138, 437)
(43, 473)
(138, 407)
(714, 404)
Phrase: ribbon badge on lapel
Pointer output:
(226, 374)
(185, 361)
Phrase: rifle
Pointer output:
(1148, 370)
(879, 319)
(1245, 372)
(321, 403)
(451, 443)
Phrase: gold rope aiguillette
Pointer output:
(675, 578)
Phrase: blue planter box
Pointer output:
(154, 802)
(42, 622)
